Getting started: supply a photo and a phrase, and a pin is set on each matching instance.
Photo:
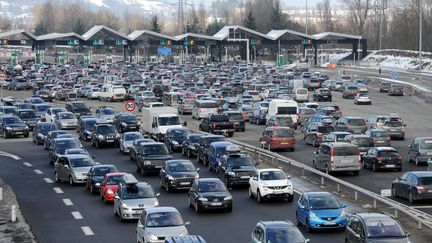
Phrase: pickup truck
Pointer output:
(217, 124)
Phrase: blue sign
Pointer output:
(164, 51)
(394, 75)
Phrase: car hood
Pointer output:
(141, 202)
(16, 125)
(275, 183)
(183, 174)
(388, 240)
(214, 194)
(81, 169)
(166, 231)
(327, 213)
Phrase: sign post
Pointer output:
(2, 81)
(130, 106)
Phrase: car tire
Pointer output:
(308, 228)
(393, 192)
(92, 190)
(356, 173)
(374, 167)
(269, 147)
(121, 217)
(314, 165)
(250, 193)
(229, 210)
(189, 154)
(298, 223)
(290, 198)
(56, 177)
(190, 202)
(142, 171)
(97, 145)
(197, 208)
(26, 135)
(5, 135)
(327, 170)
(258, 197)
(209, 166)
(417, 162)
(71, 182)
(230, 134)
(411, 197)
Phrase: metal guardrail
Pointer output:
(422, 218)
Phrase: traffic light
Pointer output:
(168, 42)
(162, 42)
(192, 42)
(307, 41)
(253, 42)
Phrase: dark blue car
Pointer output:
(215, 152)
(175, 137)
(41, 130)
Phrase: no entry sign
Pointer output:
(130, 105)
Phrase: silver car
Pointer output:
(132, 197)
(73, 168)
(66, 120)
(155, 224)
(127, 139)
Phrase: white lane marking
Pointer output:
(67, 202)
(27, 164)
(48, 180)
(13, 156)
(39, 172)
(87, 230)
(58, 190)
(77, 215)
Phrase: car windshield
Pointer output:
(129, 118)
(164, 219)
(236, 161)
(380, 228)
(137, 191)
(105, 129)
(345, 151)
(62, 145)
(169, 121)
(393, 124)
(284, 133)
(272, 175)
(155, 149)
(284, 235)
(114, 180)
(178, 133)
(181, 166)
(389, 154)
(107, 112)
(194, 139)
(27, 114)
(79, 106)
(284, 121)
(102, 171)
(42, 108)
(67, 116)
(211, 186)
(55, 111)
(89, 124)
(47, 127)
(81, 162)
(323, 202)
(363, 141)
(11, 120)
(356, 122)
(133, 136)
(426, 144)
(235, 116)
(425, 181)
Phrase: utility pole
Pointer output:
(381, 24)
(306, 31)
(420, 33)
(180, 15)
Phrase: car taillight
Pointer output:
(319, 134)
(275, 123)
(379, 158)
(213, 125)
(420, 188)
(332, 155)
(388, 138)
(400, 158)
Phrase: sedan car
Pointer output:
(413, 185)
(277, 231)
(156, 224)
(177, 174)
(209, 194)
(270, 184)
(383, 158)
(189, 146)
(72, 168)
(66, 120)
(375, 228)
(95, 176)
(320, 210)
(13, 126)
(127, 139)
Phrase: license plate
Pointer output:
(137, 212)
(429, 153)
(132, 127)
(325, 96)
(244, 177)
(110, 141)
(390, 166)
(184, 183)
(224, 130)
(284, 143)
(429, 191)
(18, 132)
(393, 130)
(380, 142)
(278, 192)
(329, 223)
(158, 166)
(362, 153)
(216, 204)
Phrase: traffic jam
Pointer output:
(173, 121)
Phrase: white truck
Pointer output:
(157, 120)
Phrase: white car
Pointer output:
(363, 98)
(51, 112)
(155, 224)
(270, 184)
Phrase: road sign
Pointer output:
(394, 75)
(3, 77)
(164, 51)
(162, 42)
(130, 105)
(386, 192)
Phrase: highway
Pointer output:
(52, 221)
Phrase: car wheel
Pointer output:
(142, 171)
(250, 193)
(258, 197)
(209, 166)
(92, 190)
(356, 173)
(229, 210)
(56, 177)
(197, 208)
(189, 154)
(417, 162)
(308, 228)
(269, 147)
(327, 170)
(314, 165)
(314, 143)
(167, 188)
(190, 202)
(374, 167)
(121, 216)
(230, 134)
(290, 198)
(297, 220)
(97, 145)
(411, 197)
(5, 136)
(71, 182)
(393, 192)
(183, 152)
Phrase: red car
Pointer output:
(109, 186)
(278, 138)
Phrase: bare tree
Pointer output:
(359, 10)
(5, 23)
(325, 16)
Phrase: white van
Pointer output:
(112, 92)
(203, 108)
(283, 107)
(301, 95)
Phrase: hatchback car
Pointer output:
(156, 224)
(72, 168)
(95, 176)
(320, 210)
(277, 231)
(209, 194)
(350, 92)
(125, 122)
(375, 228)
(85, 127)
(394, 126)
(380, 138)
(109, 185)
(65, 120)
(177, 174)
(363, 98)
(420, 150)
(413, 185)
(51, 136)
(362, 141)
(354, 125)
(270, 184)
(384, 87)
(395, 89)
(41, 130)
(175, 137)
(215, 151)
(278, 138)
(383, 158)
(60, 145)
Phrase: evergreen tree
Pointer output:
(155, 25)
(214, 27)
(277, 19)
(249, 21)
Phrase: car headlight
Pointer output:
(124, 124)
(313, 215)
(170, 178)
(88, 132)
(197, 176)
(227, 198)
(8, 128)
(231, 173)
(109, 191)
(152, 236)
(156, 203)
(175, 142)
(124, 206)
(101, 137)
(343, 213)
(117, 135)
(138, 123)
(203, 199)
(184, 233)
(76, 174)
(147, 162)
(26, 127)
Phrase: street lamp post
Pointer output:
(420, 33)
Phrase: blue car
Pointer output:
(215, 152)
(321, 210)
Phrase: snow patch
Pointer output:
(402, 59)
(99, 3)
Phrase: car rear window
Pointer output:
(235, 116)
(393, 124)
(345, 151)
(363, 142)
(380, 134)
(426, 144)
(356, 122)
(219, 118)
(208, 105)
(389, 153)
(283, 133)
(301, 91)
(426, 181)
(326, 129)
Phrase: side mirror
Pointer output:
(307, 241)
(66, 166)
(301, 206)
(254, 178)
(98, 184)
(153, 125)
(404, 125)
(357, 236)
(158, 194)
(187, 223)
(256, 163)
(116, 197)
(410, 146)
(288, 177)
(197, 169)
(315, 152)
(184, 123)
(408, 234)
(344, 205)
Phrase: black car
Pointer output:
(41, 130)
(387, 158)
(51, 136)
(258, 117)
(151, 157)
(79, 108)
(322, 94)
(13, 126)
(29, 117)
(236, 168)
(95, 176)
(238, 119)
(189, 146)
(413, 185)
(133, 152)
(104, 134)
(209, 194)
(127, 122)
(85, 127)
(175, 137)
(177, 174)
(59, 147)
(203, 145)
